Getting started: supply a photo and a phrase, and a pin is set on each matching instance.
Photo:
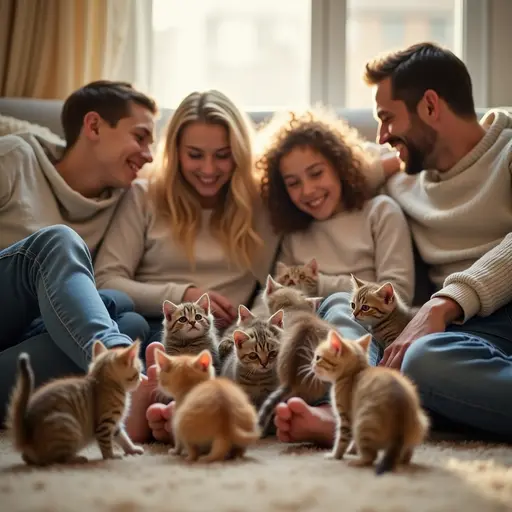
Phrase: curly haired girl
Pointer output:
(317, 177)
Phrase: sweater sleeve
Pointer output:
(122, 250)
(394, 259)
(486, 285)
(12, 159)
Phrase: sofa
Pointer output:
(46, 114)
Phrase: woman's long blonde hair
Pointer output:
(177, 202)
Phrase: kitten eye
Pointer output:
(352, 305)
(253, 356)
(182, 319)
(364, 307)
(317, 358)
(302, 276)
(272, 354)
(133, 378)
(286, 277)
(199, 317)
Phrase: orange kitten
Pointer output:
(379, 407)
(211, 413)
(52, 424)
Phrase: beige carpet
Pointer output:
(465, 477)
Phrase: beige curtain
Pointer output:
(48, 48)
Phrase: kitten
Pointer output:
(302, 277)
(252, 362)
(380, 309)
(52, 424)
(189, 328)
(376, 406)
(212, 413)
(244, 320)
(303, 331)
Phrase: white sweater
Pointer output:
(33, 195)
(373, 243)
(139, 257)
(461, 220)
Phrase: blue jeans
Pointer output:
(463, 374)
(50, 308)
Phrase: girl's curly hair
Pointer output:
(324, 132)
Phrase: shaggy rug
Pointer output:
(445, 476)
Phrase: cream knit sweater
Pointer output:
(461, 220)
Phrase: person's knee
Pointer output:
(133, 325)
(63, 239)
(336, 300)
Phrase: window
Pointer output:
(258, 53)
(384, 26)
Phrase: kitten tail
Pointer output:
(17, 409)
(391, 456)
(267, 409)
(243, 437)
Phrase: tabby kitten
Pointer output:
(380, 309)
(244, 320)
(52, 424)
(212, 414)
(189, 328)
(303, 332)
(378, 406)
(252, 362)
(302, 277)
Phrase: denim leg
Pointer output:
(47, 359)
(465, 373)
(49, 274)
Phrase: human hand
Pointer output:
(391, 163)
(433, 316)
(220, 306)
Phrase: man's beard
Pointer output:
(419, 155)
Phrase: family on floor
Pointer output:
(90, 248)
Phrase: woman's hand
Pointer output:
(220, 306)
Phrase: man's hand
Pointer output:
(434, 316)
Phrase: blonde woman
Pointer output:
(197, 223)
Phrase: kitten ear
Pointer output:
(97, 349)
(277, 319)
(244, 314)
(204, 302)
(240, 337)
(272, 285)
(204, 360)
(162, 360)
(315, 302)
(335, 341)
(357, 283)
(313, 265)
(131, 353)
(168, 309)
(387, 292)
(281, 268)
(364, 341)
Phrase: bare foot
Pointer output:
(296, 421)
(136, 424)
(159, 417)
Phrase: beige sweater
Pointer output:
(139, 257)
(374, 244)
(33, 195)
(461, 220)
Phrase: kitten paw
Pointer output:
(78, 459)
(114, 456)
(134, 450)
(174, 451)
(359, 463)
(333, 456)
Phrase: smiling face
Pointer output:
(415, 140)
(205, 158)
(120, 151)
(311, 182)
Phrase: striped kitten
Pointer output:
(189, 328)
(303, 277)
(52, 424)
(252, 362)
(244, 320)
(378, 406)
(303, 330)
(212, 415)
(380, 309)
